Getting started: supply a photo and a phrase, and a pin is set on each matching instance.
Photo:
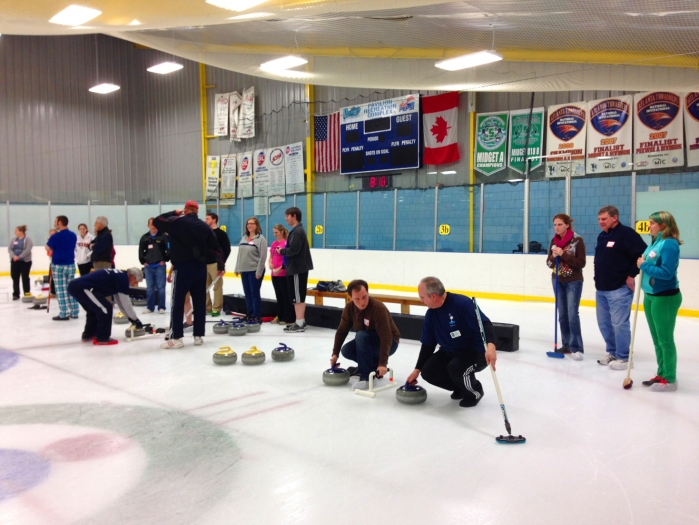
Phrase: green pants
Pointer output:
(661, 313)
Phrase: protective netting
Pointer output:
(547, 45)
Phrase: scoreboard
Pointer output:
(380, 136)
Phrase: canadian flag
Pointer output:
(439, 117)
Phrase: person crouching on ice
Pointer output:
(451, 322)
(92, 290)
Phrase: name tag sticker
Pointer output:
(456, 334)
(610, 244)
(652, 255)
(150, 246)
(366, 322)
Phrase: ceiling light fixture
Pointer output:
(470, 60)
(448, 173)
(282, 64)
(134, 22)
(75, 15)
(165, 67)
(251, 16)
(235, 5)
(105, 88)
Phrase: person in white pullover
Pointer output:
(82, 250)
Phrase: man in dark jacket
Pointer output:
(103, 245)
(297, 262)
(154, 252)
(92, 290)
(191, 242)
(618, 248)
(211, 266)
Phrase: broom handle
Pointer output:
(633, 327)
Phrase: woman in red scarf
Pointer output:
(569, 249)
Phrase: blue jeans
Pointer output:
(155, 283)
(364, 350)
(568, 316)
(613, 312)
(251, 289)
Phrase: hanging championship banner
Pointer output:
(261, 172)
(657, 137)
(293, 166)
(691, 127)
(212, 174)
(491, 142)
(277, 179)
(261, 205)
(609, 135)
(228, 171)
(235, 100)
(246, 123)
(245, 175)
(519, 121)
(565, 139)
(221, 115)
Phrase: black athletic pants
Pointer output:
(84, 269)
(285, 308)
(456, 371)
(190, 277)
(98, 311)
(20, 269)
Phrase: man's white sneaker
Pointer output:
(619, 364)
(576, 356)
(147, 311)
(171, 344)
(606, 360)
(198, 341)
(663, 386)
(361, 385)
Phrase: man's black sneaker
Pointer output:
(457, 394)
(59, 318)
(353, 370)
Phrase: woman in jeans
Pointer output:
(20, 249)
(662, 297)
(252, 255)
(568, 249)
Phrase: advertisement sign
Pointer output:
(229, 169)
(245, 175)
(293, 165)
(260, 167)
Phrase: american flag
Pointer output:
(327, 142)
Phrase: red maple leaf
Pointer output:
(440, 129)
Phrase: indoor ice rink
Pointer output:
(137, 108)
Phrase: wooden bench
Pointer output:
(404, 302)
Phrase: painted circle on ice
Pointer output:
(189, 459)
(7, 359)
(20, 470)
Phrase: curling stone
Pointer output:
(221, 327)
(253, 357)
(137, 332)
(253, 327)
(39, 300)
(225, 356)
(283, 353)
(139, 301)
(336, 376)
(411, 394)
(237, 329)
(120, 318)
(27, 298)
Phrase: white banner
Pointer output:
(246, 125)
(565, 139)
(657, 138)
(221, 115)
(382, 108)
(293, 165)
(609, 135)
(277, 179)
(691, 127)
(245, 175)
(212, 174)
(228, 172)
(261, 205)
(235, 100)
(261, 172)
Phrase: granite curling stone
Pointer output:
(225, 356)
(336, 376)
(253, 357)
(27, 298)
(39, 300)
(138, 301)
(137, 332)
(237, 329)
(283, 353)
(221, 327)
(411, 394)
(120, 318)
(253, 327)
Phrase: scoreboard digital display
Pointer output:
(380, 136)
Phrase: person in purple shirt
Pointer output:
(62, 245)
